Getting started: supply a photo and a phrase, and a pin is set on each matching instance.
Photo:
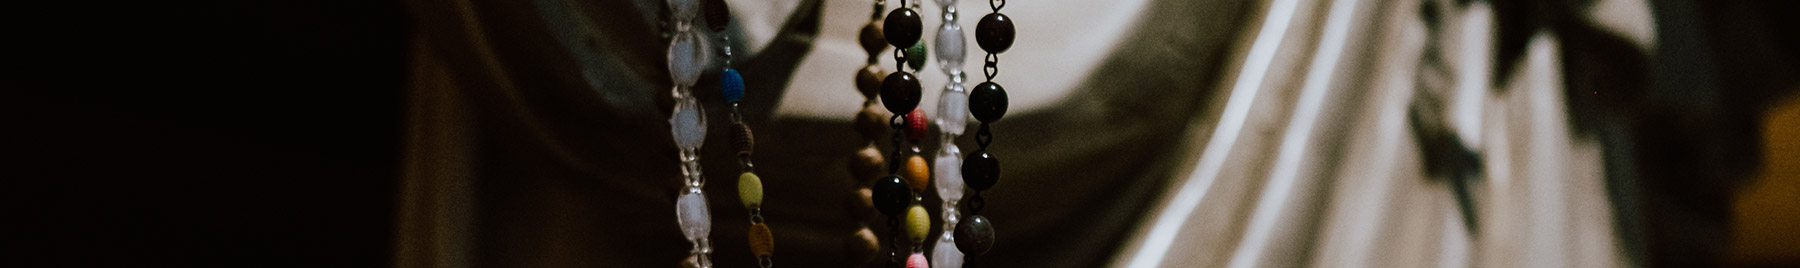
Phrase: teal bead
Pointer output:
(915, 55)
(732, 85)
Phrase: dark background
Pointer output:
(231, 133)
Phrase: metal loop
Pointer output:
(996, 4)
(765, 261)
(899, 59)
(992, 67)
(975, 204)
(984, 137)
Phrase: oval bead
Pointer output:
(872, 40)
(948, 180)
(902, 28)
(981, 171)
(918, 224)
(987, 102)
(762, 242)
(862, 205)
(900, 92)
(691, 213)
(891, 195)
(917, 260)
(743, 139)
(732, 85)
(868, 81)
(916, 126)
(918, 173)
(688, 124)
(750, 190)
(867, 165)
(945, 255)
(994, 33)
(862, 246)
(951, 49)
(975, 235)
(871, 122)
(718, 15)
(953, 109)
(915, 55)
(689, 53)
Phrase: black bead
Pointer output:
(718, 15)
(900, 92)
(903, 27)
(987, 102)
(994, 33)
(981, 171)
(975, 235)
(891, 195)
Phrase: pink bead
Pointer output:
(917, 261)
(916, 125)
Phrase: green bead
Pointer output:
(915, 55)
(750, 190)
(918, 224)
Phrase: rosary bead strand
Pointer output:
(688, 55)
(974, 235)
(871, 121)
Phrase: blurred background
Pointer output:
(1142, 133)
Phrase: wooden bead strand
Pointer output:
(871, 122)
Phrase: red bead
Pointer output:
(917, 260)
(915, 124)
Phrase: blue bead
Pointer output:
(732, 85)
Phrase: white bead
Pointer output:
(951, 49)
(946, 255)
(689, 53)
(696, 221)
(949, 180)
(953, 109)
(688, 124)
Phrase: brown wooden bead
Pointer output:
(872, 40)
(918, 174)
(718, 15)
(862, 205)
(742, 139)
(871, 122)
(867, 165)
(862, 246)
(762, 242)
(868, 81)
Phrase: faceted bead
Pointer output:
(891, 195)
(688, 123)
(915, 55)
(900, 92)
(916, 128)
(689, 54)
(918, 174)
(862, 246)
(994, 33)
(696, 221)
(872, 39)
(867, 165)
(918, 224)
(945, 255)
(949, 181)
(750, 190)
(951, 48)
(872, 122)
(917, 260)
(862, 205)
(952, 111)
(718, 15)
(762, 242)
(684, 10)
(743, 139)
(903, 27)
(975, 235)
(987, 101)
(731, 84)
(981, 171)
(868, 81)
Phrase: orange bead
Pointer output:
(918, 174)
(762, 242)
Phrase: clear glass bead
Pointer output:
(946, 3)
(945, 255)
(948, 178)
(689, 53)
(953, 109)
(696, 221)
(951, 49)
(688, 124)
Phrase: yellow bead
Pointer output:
(918, 224)
(750, 190)
(918, 174)
(762, 242)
